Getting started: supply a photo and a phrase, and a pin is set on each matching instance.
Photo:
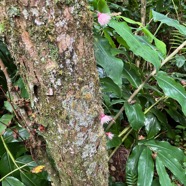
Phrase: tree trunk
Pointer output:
(52, 44)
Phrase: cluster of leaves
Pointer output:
(17, 167)
(143, 86)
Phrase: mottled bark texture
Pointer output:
(52, 44)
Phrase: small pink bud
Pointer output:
(105, 119)
(103, 18)
(109, 135)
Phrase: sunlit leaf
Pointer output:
(172, 89)
(137, 47)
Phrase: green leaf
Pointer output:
(163, 176)
(165, 148)
(135, 115)
(102, 6)
(112, 65)
(172, 89)
(8, 106)
(180, 60)
(170, 22)
(26, 159)
(137, 47)
(110, 87)
(11, 181)
(131, 73)
(132, 164)
(145, 168)
(160, 45)
(152, 125)
(4, 122)
(6, 165)
(173, 165)
(114, 142)
(22, 135)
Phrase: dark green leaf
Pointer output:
(112, 65)
(131, 73)
(173, 165)
(145, 168)
(172, 89)
(102, 6)
(152, 125)
(135, 115)
(110, 87)
(137, 47)
(163, 176)
(5, 121)
(170, 22)
(114, 142)
(165, 148)
(11, 181)
(6, 165)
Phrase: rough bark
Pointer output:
(52, 45)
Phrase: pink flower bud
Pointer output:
(109, 135)
(103, 18)
(105, 119)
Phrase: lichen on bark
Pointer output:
(53, 47)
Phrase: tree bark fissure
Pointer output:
(53, 47)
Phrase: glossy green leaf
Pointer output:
(110, 87)
(164, 147)
(4, 122)
(170, 22)
(108, 37)
(12, 181)
(137, 47)
(114, 142)
(25, 159)
(152, 125)
(132, 165)
(112, 65)
(172, 89)
(163, 176)
(173, 165)
(131, 73)
(145, 168)
(135, 115)
(9, 135)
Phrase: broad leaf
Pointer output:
(12, 181)
(131, 73)
(165, 148)
(110, 87)
(132, 162)
(4, 122)
(170, 22)
(163, 176)
(102, 6)
(114, 142)
(137, 47)
(112, 65)
(152, 125)
(135, 115)
(174, 166)
(172, 89)
(145, 168)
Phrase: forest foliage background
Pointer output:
(140, 53)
